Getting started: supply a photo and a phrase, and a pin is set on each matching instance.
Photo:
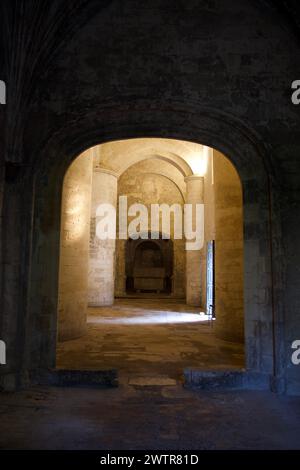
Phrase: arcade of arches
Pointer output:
(140, 305)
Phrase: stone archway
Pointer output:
(263, 323)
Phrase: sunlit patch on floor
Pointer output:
(149, 338)
(157, 317)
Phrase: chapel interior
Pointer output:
(139, 304)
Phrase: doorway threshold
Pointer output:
(105, 378)
(219, 380)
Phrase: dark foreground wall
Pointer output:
(212, 71)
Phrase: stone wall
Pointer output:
(194, 257)
(212, 72)
(144, 184)
(209, 217)
(229, 278)
(224, 224)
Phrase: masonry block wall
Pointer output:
(229, 250)
(194, 257)
(149, 183)
(224, 224)
(217, 73)
(209, 217)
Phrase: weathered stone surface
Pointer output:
(229, 251)
(210, 380)
(85, 73)
(74, 242)
(194, 258)
(156, 338)
(71, 378)
(101, 273)
(153, 182)
(169, 417)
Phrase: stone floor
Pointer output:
(148, 417)
(150, 409)
(152, 340)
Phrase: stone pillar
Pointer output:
(120, 280)
(75, 224)
(101, 279)
(194, 195)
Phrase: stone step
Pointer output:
(152, 381)
(69, 377)
(225, 379)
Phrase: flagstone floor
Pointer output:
(149, 340)
(147, 417)
(149, 343)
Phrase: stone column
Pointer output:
(194, 195)
(73, 273)
(101, 279)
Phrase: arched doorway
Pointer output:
(245, 151)
(151, 265)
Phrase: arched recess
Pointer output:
(263, 321)
(147, 182)
(161, 266)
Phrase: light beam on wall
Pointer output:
(76, 217)
(198, 161)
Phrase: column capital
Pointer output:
(193, 178)
(99, 169)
